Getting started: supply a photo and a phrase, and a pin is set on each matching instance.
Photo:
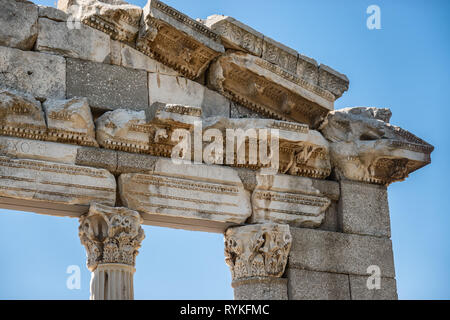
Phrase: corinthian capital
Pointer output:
(110, 235)
(259, 250)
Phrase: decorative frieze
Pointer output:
(187, 191)
(288, 200)
(364, 146)
(333, 81)
(268, 89)
(176, 40)
(55, 182)
(21, 115)
(257, 251)
(123, 129)
(70, 121)
(302, 151)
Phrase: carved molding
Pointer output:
(259, 250)
(111, 235)
(364, 146)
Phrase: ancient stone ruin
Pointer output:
(95, 97)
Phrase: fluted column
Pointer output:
(257, 256)
(112, 237)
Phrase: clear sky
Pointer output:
(404, 66)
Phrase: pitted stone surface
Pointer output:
(40, 74)
(387, 290)
(18, 21)
(107, 87)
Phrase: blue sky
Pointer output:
(404, 66)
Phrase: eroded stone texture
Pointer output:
(312, 285)
(387, 290)
(260, 289)
(333, 81)
(366, 147)
(52, 13)
(118, 19)
(179, 90)
(107, 87)
(82, 43)
(289, 200)
(301, 151)
(110, 235)
(236, 35)
(176, 40)
(18, 20)
(166, 119)
(70, 121)
(21, 115)
(55, 182)
(187, 191)
(123, 129)
(257, 251)
(40, 74)
(268, 89)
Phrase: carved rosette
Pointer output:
(257, 251)
(110, 235)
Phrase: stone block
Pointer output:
(83, 43)
(52, 13)
(133, 162)
(178, 90)
(312, 285)
(261, 289)
(96, 157)
(55, 182)
(38, 150)
(359, 290)
(107, 87)
(331, 220)
(18, 21)
(333, 81)
(325, 251)
(364, 209)
(40, 74)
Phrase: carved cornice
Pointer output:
(256, 251)
(110, 235)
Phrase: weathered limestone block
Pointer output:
(178, 90)
(325, 251)
(365, 147)
(21, 115)
(236, 35)
(301, 151)
(364, 209)
(257, 256)
(123, 129)
(126, 56)
(176, 40)
(288, 200)
(52, 13)
(82, 43)
(308, 69)
(268, 89)
(18, 21)
(70, 121)
(107, 87)
(280, 55)
(333, 81)
(312, 285)
(97, 157)
(166, 119)
(55, 182)
(187, 191)
(40, 74)
(38, 150)
(359, 290)
(117, 19)
(112, 237)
